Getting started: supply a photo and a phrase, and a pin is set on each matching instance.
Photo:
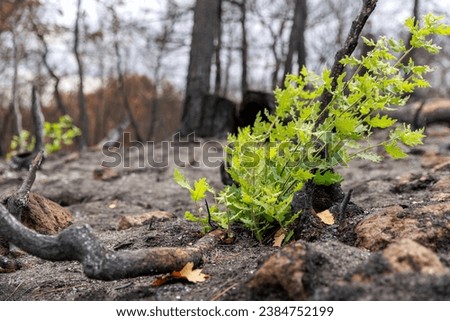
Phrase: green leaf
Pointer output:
(327, 178)
(368, 42)
(350, 61)
(380, 122)
(190, 217)
(411, 137)
(394, 150)
(370, 156)
(346, 124)
(200, 189)
(302, 175)
(181, 180)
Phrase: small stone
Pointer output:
(428, 225)
(284, 269)
(105, 174)
(128, 221)
(407, 256)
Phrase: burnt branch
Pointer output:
(343, 206)
(349, 46)
(31, 176)
(38, 120)
(19, 200)
(78, 243)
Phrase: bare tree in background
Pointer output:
(297, 37)
(14, 103)
(244, 48)
(415, 14)
(275, 23)
(229, 43)
(84, 121)
(14, 18)
(206, 22)
(40, 31)
(10, 16)
(120, 73)
(162, 40)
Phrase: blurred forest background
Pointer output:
(150, 64)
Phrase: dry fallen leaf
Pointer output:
(279, 237)
(326, 217)
(189, 274)
(186, 273)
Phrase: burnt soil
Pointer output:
(69, 180)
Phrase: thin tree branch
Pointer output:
(44, 56)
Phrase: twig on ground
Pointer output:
(15, 290)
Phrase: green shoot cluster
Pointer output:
(56, 136)
(273, 159)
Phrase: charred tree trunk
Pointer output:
(244, 45)
(218, 60)
(14, 104)
(297, 38)
(84, 121)
(206, 22)
(5, 126)
(38, 121)
(227, 70)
